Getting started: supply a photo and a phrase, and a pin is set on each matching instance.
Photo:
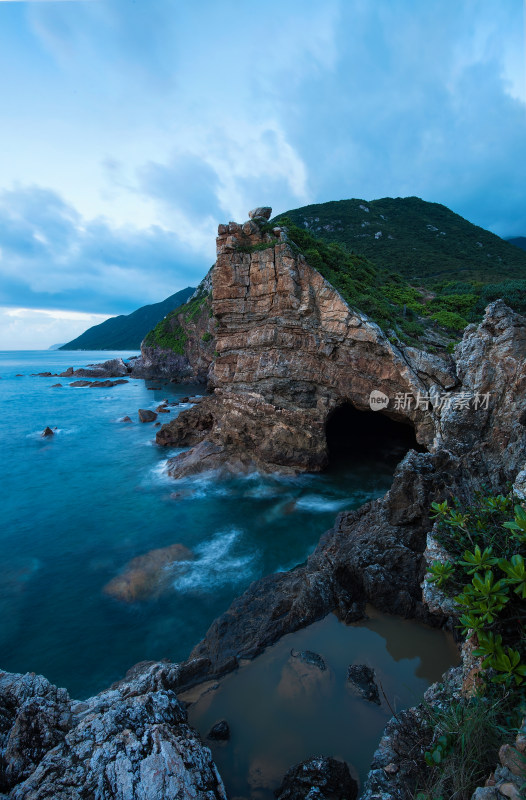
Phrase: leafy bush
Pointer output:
(487, 577)
(449, 320)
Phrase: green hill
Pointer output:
(518, 241)
(127, 331)
(425, 242)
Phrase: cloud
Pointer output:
(51, 257)
(37, 329)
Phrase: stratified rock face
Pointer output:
(129, 743)
(290, 352)
(285, 333)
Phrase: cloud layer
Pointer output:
(154, 121)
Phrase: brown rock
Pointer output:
(81, 383)
(56, 385)
(146, 575)
(126, 419)
(162, 409)
(264, 212)
(514, 760)
(145, 415)
(47, 432)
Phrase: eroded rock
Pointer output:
(145, 415)
(362, 679)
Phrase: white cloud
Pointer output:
(38, 329)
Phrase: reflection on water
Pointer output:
(282, 710)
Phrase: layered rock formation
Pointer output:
(290, 351)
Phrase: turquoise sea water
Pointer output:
(77, 507)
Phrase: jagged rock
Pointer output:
(131, 742)
(220, 731)
(126, 419)
(114, 368)
(146, 575)
(262, 212)
(34, 717)
(145, 415)
(81, 383)
(319, 778)
(56, 385)
(373, 554)
(47, 432)
(362, 678)
(107, 383)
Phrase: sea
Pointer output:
(79, 506)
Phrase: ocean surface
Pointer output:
(77, 507)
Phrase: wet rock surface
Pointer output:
(362, 679)
(320, 778)
(145, 415)
(308, 657)
(219, 732)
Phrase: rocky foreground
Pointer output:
(289, 353)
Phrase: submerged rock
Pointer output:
(146, 575)
(362, 679)
(126, 419)
(319, 778)
(47, 432)
(145, 415)
(220, 731)
(308, 657)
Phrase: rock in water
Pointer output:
(362, 679)
(320, 778)
(309, 657)
(144, 574)
(145, 415)
(220, 731)
(47, 432)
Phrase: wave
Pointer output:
(216, 564)
(321, 504)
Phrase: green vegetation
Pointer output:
(126, 332)
(425, 242)
(436, 244)
(487, 578)
(170, 333)
(385, 296)
(206, 337)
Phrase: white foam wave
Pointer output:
(313, 502)
(215, 565)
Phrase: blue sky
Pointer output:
(129, 129)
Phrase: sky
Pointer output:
(130, 128)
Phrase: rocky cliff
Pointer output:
(290, 352)
(283, 355)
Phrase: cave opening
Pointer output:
(353, 435)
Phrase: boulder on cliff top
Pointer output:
(322, 778)
(264, 212)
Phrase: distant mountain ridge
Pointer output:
(425, 242)
(127, 331)
(517, 241)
